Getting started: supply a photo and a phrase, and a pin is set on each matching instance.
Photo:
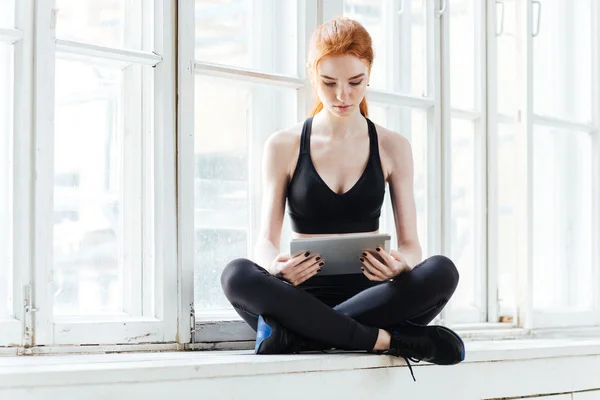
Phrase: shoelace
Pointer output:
(413, 345)
(393, 352)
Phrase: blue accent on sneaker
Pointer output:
(263, 331)
(462, 354)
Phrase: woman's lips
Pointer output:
(343, 108)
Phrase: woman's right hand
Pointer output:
(296, 270)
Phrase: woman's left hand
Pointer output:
(394, 264)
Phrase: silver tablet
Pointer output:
(341, 253)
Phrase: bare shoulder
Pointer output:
(390, 140)
(283, 146)
(286, 140)
(394, 149)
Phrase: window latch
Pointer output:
(27, 320)
(192, 324)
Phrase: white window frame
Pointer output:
(483, 317)
(494, 311)
(478, 312)
(224, 325)
(158, 322)
(12, 329)
(529, 317)
(205, 330)
(172, 193)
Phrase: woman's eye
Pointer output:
(351, 83)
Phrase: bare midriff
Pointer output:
(296, 235)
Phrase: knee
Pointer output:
(236, 275)
(446, 272)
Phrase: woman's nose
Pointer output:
(343, 94)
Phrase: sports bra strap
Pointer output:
(304, 138)
(373, 139)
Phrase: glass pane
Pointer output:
(6, 181)
(507, 233)
(230, 119)
(400, 63)
(562, 60)
(411, 123)
(371, 15)
(462, 54)
(562, 204)
(463, 209)
(7, 13)
(507, 58)
(97, 217)
(111, 23)
(260, 35)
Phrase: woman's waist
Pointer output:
(296, 235)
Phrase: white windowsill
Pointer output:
(156, 366)
(492, 369)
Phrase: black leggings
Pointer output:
(343, 311)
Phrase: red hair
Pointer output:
(339, 37)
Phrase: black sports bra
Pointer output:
(316, 209)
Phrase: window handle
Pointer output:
(539, 16)
(401, 9)
(500, 3)
(441, 11)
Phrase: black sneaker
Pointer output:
(272, 338)
(434, 344)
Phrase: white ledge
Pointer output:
(24, 372)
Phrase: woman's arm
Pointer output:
(277, 154)
(401, 180)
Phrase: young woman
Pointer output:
(332, 170)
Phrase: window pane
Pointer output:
(97, 172)
(112, 23)
(404, 52)
(507, 91)
(562, 60)
(506, 234)
(255, 34)
(7, 13)
(562, 227)
(371, 16)
(411, 123)
(462, 54)
(464, 206)
(231, 118)
(6, 181)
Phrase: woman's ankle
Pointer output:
(383, 340)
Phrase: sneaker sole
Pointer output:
(455, 335)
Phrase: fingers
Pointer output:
(387, 257)
(371, 272)
(308, 273)
(370, 275)
(296, 260)
(294, 270)
(377, 267)
(399, 260)
(288, 265)
(305, 268)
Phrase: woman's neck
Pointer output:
(337, 128)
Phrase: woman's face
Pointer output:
(341, 83)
